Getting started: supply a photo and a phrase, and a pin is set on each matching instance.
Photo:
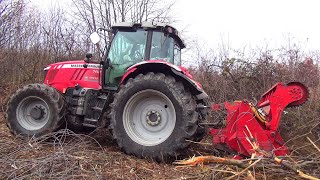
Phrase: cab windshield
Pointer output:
(128, 47)
(131, 47)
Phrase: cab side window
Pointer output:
(177, 55)
(162, 47)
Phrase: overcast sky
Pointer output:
(251, 22)
(240, 23)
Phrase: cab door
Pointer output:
(127, 49)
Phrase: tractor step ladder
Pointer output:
(97, 111)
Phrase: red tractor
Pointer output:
(150, 103)
(138, 90)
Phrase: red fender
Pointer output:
(180, 69)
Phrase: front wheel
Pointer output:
(35, 110)
(152, 116)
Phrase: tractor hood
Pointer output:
(68, 74)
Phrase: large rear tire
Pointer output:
(152, 116)
(35, 110)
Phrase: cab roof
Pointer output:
(151, 25)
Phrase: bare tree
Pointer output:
(10, 12)
(103, 13)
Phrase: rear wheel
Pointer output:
(149, 117)
(152, 116)
(35, 110)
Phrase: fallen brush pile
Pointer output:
(57, 155)
(288, 164)
(66, 155)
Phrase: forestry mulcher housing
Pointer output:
(140, 91)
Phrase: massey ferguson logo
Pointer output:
(76, 65)
(81, 66)
(91, 66)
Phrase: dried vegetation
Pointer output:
(30, 40)
(66, 155)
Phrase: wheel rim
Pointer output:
(32, 113)
(149, 117)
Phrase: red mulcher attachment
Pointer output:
(261, 121)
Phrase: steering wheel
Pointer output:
(137, 56)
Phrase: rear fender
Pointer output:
(159, 66)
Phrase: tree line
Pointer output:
(30, 38)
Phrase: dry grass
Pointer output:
(65, 155)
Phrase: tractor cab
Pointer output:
(133, 43)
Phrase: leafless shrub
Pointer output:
(62, 154)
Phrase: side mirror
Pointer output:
(95, 38)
